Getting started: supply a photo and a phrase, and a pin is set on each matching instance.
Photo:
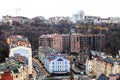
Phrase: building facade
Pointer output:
(79, 42)
(107, 66)
(89, 66)
(20, 48)
(57, 64)
(25, 52)
(53, 41)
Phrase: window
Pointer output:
(66, 66)
(16, 76)
(65, 62)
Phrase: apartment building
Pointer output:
(107, 66)
(74, 43)
(21, 19)
(20, 49)
(79, 42)
(7, 19)
(82, 42)
(91, 41)
(53, 41)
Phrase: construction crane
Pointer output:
(101, 28)
(17, 11)
(69, 53)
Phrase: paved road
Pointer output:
(41, 67)
(40, 73)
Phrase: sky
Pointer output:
(50, 8)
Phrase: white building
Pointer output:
(74, 18)
(116, 68)
(57, 64)
(80, 16)
(89, 66)
(20, 45)
(24, 51)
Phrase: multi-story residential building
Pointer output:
(25, 52)
(91, 19)
(80, 16)
(21, 50)
(91, 41)
(57, 64)
(100, 67)
(18, 40)
(57, 19)
(114, 19)
(20, 19)
(75, 47)
(89, 66)
(106, 66)
(74, 18)
(79, 42)
(11, 19)
(54, 62)
(104, 20)
(7, 19)
(53, 41)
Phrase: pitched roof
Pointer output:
(6, 75)
(102, 77)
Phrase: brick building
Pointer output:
(91, 41)
(53, 41)
(79, 42)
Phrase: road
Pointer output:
(40, 73)
(46, 73)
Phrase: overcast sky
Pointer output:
(48, 8)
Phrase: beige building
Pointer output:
(89, 66)
(17, 69)
(19, 74)
(106, 66)
(7, 20)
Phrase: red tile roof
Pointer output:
(6, 75)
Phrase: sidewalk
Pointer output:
(34, 73)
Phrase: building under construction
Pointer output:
(79, 42)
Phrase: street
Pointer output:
(40, 73)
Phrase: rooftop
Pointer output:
(11, 66)
(102, 77)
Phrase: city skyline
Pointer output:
(50, 8)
